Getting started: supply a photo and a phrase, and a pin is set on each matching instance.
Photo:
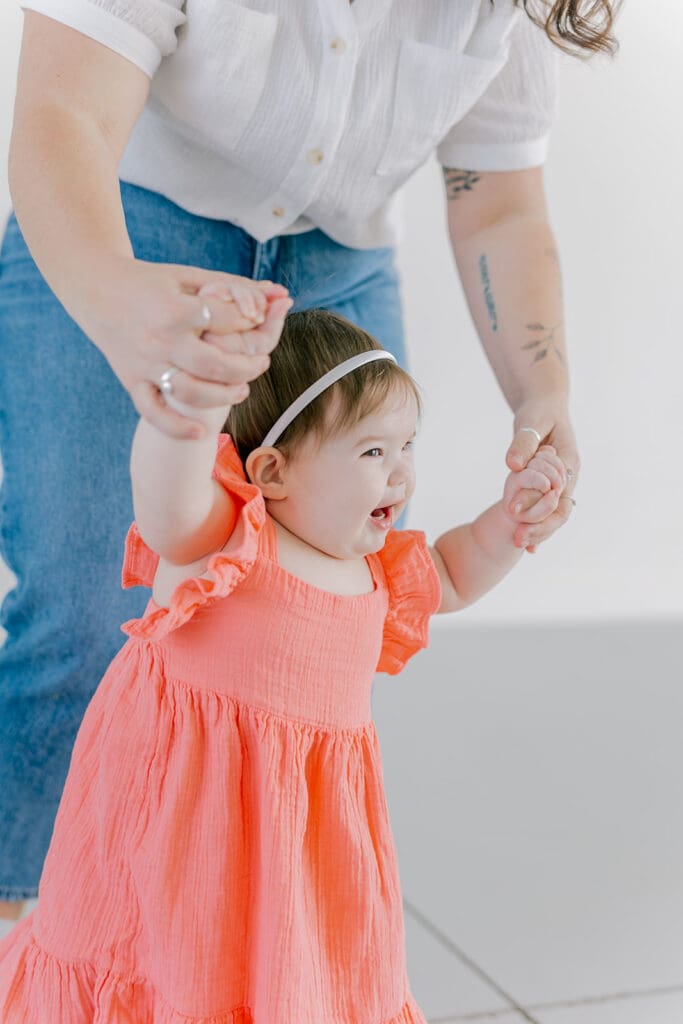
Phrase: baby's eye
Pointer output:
(374, 452)
(408, 446)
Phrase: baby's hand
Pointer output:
(546, 474)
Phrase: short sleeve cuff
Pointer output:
(506, 156)
(103, 27)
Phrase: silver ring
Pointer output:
(530, 430)
(569, 471)
(166, 380)
(567, 497)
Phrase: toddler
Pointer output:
(223, 852)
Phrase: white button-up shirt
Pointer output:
(282, 115)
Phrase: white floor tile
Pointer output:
(660, 1009)
(441, 983)
(535, 780)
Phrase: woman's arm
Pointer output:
(508, 263)
(77, 102)
(76, 105)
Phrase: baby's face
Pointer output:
(345, 493)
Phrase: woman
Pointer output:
(255, 138)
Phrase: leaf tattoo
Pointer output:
(458, 181)
(544, 344)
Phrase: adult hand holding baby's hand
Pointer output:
(545, 475)
(154, 319)
(543, 421)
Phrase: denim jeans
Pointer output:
(66, 426)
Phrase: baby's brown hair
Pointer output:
(313, 342)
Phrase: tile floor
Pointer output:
(535, 783)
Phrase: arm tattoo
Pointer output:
(543, 340)
(488, 293)
(458, 181)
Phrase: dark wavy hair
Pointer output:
(579, 27)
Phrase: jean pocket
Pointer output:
(216, 77)
(435, 88)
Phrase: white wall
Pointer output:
(613, 180)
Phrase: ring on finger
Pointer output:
(530, 430)
(206, 316)
(166, 380)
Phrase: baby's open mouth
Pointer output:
(381, 514)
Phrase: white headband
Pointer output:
(317, 388)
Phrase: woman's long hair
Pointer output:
(579, 27)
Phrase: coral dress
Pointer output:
(222, 852)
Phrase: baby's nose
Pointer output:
(398, 477)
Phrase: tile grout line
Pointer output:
(562, 1004)
(448, 944)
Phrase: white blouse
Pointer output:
(282, 115)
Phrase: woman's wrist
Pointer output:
(551, 395)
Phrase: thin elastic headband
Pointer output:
(317, 388)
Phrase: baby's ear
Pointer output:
(265, 468)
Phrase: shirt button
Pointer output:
(315, 156)
(338, 45)
(278, 211)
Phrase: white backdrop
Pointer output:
(613, 181)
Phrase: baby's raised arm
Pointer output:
(180, 511)
(472, 558)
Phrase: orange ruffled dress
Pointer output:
(222, 852)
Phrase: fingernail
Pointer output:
(517, 508)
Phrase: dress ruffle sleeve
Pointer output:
(225, 569)
(414, 595)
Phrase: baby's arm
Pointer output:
(180, 511)
(473, 558)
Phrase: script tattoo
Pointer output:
(458, 181)
(543, 340)
(488, 294)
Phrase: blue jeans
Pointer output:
(66, 426)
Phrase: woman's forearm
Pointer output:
(511, 277)
(76, 104)
(65, 192)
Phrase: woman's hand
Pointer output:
(150, 317)
(551, 421)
